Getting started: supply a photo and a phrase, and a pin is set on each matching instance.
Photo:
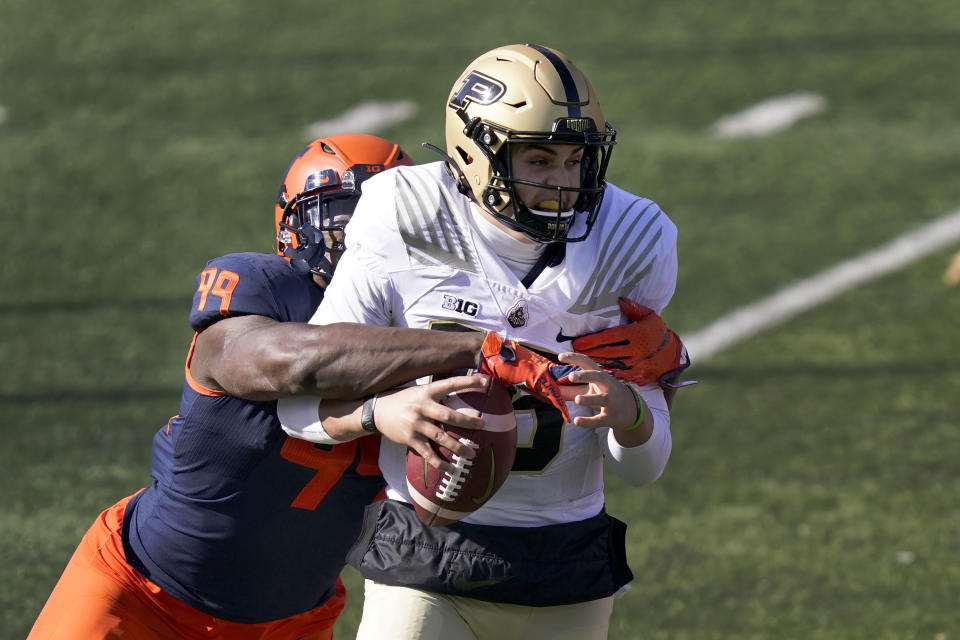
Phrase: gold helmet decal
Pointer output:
(477, 87)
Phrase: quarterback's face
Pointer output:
(554, 165)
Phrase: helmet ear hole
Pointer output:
(466, 157)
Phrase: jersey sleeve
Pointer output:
(358, 292)
(642, 465)
(361, 290)
(656, 289)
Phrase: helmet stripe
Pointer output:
(569, 85)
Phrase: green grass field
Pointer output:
(813, 487)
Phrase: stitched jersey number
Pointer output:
(547, 435)
(330, 462)
(221, 285)
(547, 421)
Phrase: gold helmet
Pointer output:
(523, 94)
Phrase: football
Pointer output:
(443, 498)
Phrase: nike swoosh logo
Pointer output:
(493, 470)
(561, 337)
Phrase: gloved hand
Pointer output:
(643, 352)
(513, 364)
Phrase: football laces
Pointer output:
(451, 484)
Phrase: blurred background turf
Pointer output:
(812, 491)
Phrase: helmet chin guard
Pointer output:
(309, 254)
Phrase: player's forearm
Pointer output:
(638, 435)
(350, 361)
(327, 422)
(341, 419)
(643, 461)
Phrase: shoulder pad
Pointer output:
(262, 284)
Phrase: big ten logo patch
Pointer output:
(466, 307)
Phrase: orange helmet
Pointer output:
(319, 192)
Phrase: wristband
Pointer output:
(366, 415)
(636, 394)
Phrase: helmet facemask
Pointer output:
(500, 198)
(319, 210)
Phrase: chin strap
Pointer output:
(551, 257)
(463, 185)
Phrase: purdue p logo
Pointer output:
(517, 316)
(478, 87)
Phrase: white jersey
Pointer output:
(415, 259)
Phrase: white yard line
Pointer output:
(3, 114)
(802, 296)
(770, 116)
(367, 117)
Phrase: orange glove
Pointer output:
(643, 352)
(515, 365)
